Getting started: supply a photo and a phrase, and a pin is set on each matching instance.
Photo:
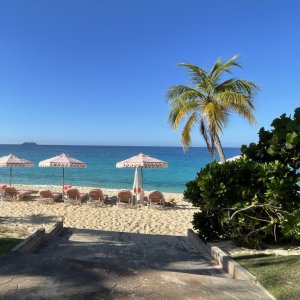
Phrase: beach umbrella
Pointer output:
(62, 161)
(11, 161)
(142, 161)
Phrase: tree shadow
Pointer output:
(261, 260)
(85, 263)
(32, 219)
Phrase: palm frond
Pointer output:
(179, 93)
(216, 117)
(216, 66)
(220, 67)
(238, 103)
(198, 75)
(186, 132)
(244, 87)
(180, 111)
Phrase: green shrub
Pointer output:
(246, 200)
(282, 143)
(256, 198)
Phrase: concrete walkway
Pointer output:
(90, 264)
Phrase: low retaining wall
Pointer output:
(55, 229)
(31, 242)
(37, 238)
(233, 268)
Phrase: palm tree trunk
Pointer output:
(220, 149)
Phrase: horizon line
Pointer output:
(1, 144)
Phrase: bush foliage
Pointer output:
(251, 200)
(281, 143)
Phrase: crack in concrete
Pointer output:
(12, 278)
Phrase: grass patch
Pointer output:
(10, 237)
(280, 275)
(6, 244)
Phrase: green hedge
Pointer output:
(281, 143)
(256, 198)
(245, 200)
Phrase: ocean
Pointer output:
(101, 168)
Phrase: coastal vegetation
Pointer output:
(209, 102)
(282, 143)
(255, 199)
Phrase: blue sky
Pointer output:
(96, 72)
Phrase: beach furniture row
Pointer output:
(94, 195)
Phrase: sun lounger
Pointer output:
(125, 196)
(75, 195)
(2, 190)
(96, 195)
(14, 194)
(56, 197)
(156, 198)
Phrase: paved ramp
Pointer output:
(92, 264)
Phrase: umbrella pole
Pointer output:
(63, 182)
(134, 189)
(142, 178)
(10, 176)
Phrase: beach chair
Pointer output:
(96, 195)
(125, 196)
(56, 197)
(76, 196)
(156, 198)
(2, 190)
(14, 194)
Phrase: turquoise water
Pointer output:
(101, 162)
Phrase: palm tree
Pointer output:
(209, 102)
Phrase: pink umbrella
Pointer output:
(62, 161)
(11, 161)
(142, 161)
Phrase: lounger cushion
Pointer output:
(57, 196)
(83, 196)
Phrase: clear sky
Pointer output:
(96, 72)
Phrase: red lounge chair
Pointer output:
(96, 195)
(156, 198)
(75, 195)
(57, 197)
(125, 196)
(12, 193)
(2, 189)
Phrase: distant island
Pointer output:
(29, 144)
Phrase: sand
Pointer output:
(34, 214)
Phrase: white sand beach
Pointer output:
(35, 214)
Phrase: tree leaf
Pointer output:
(290, 137)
